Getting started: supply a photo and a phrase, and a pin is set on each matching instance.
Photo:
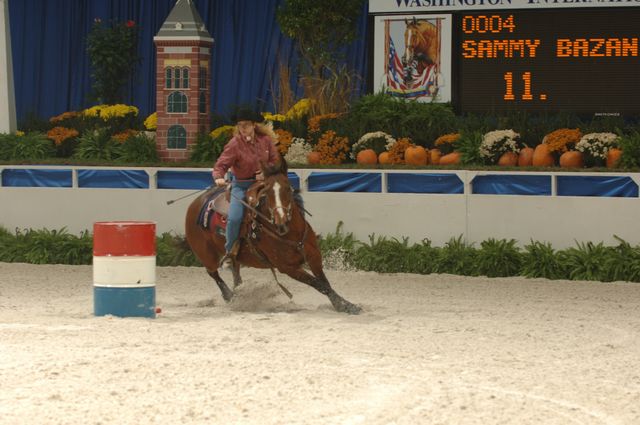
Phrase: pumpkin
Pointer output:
(313, 158)
(384, 158)
(415, 155)
(525, 158)
(542, 156)
(434, 156)
(367, 156)
(571, 159)
(450, 159)
(613, 157)
(508, 159)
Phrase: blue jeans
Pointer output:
(236, 212)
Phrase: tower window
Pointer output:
(185, 78)
(177, 102)
(167, 78)
(176, 78)
(203, 78)
(177, 137)
(202, 103)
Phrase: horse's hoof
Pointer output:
(353, 309)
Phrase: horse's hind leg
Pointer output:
(323, 286)
(226, 292)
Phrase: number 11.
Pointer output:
(508, 94)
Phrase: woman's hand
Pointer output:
(221, 182)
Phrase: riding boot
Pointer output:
(229, 258)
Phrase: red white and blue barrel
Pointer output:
(124, 268)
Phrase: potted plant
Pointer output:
(500, 147)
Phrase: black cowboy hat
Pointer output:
(246, 114)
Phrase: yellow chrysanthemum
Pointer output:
(225, 129)
(301, 108)
(110, 111)
(19, 133)
(151, 123)
(273, 117)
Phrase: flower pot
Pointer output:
(542, 157)
(450, 159)
(571, 159)
(525, 157)
(508, 159)
(415, 155)
(367, 157)
(434, 156)
(613, 157)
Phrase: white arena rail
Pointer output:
(81, 199)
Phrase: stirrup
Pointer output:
(226, 261)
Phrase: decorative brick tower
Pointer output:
(183, 58)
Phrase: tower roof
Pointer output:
(183, 22)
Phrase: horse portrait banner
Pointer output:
(412, 56)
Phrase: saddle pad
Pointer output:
(204, 217)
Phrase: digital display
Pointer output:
(583, 61)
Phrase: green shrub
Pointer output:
(97, 144)
(173, 250)
(139, 148)
(46, 247)
(586, 261)
(622, 263)
(207, 149)
(31, 146)
(498, 258)
(383, 255)
(469, 147)
(457, 257)
(421, 122)
(630, 145)
(541, 260)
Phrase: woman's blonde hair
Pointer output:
(262, 129)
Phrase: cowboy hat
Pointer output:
(246, 114)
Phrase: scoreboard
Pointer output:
(521, 58)
(549, 60)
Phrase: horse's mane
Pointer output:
(280, 167)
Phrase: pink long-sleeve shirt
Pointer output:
(244, 157)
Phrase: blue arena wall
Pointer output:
(558, 207)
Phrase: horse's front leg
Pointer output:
(323, 286)
(226, 292)
(235, 271)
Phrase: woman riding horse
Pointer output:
(251, 146)
(276, 236)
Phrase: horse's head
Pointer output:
(421, 46)
(411, 40)
(276, 197)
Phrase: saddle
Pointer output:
(215, 209)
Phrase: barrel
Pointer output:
(124, 268)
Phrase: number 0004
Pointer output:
(483, 24)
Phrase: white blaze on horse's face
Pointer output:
(279, 209)
(280, 213)
(410, 41)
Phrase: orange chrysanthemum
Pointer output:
(284, 141)
(60, 134)
(333, 149)
(396, 153)
(559, 140)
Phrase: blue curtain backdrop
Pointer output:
(51, 66)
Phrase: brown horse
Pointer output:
(421, 46)
(274, 234)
